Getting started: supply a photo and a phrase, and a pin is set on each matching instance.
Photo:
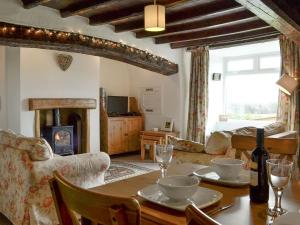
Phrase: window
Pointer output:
(250, 92)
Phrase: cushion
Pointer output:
(185, 145)
(37, 148)
(218, 143)
(274, 128)
(248, 131)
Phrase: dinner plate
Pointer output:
(207, 174)
(290, 218)
(204, 197)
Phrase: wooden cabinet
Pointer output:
(121, 134)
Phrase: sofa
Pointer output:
(27, 164)
(218, 144)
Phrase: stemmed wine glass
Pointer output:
(279, 174)
(163, 155)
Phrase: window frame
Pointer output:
(256, 70)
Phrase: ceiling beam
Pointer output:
(225, 30)
(183, 15)
(28, 4)
(200, 24)
(84, 6)
(233, 37)
(137, 10)
(271, 13)
(245, 41)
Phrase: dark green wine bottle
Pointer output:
(259, 187)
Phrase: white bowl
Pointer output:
(226, 168)
(178, 187)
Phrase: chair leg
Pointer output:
(142, 151)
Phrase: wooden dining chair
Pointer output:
(195, 216)
(283, 147)
(71, 201)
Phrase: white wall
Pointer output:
(13, 85)
(114, 76)
(42, 78)
(123, 79)
(3, 121)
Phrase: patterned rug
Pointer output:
(119, 170)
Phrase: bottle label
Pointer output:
(253, 178)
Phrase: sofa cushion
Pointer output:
(37, 148)
(218, 143)
(185, 145)
(274, 128)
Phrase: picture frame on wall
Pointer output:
(167, 125)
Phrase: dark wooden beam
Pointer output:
(84, 6)
(137, 10)
(272, 14)
(186, 14)
(28, 4)
(197, 25)
(243, 27)
(244, 42)
(214, 40)
(33, 37)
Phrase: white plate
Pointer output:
(291, 218)
(202, 198)
(207, 174)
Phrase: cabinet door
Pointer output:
(117, 136)
(134, 126)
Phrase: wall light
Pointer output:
(154, 17)
(287, 84)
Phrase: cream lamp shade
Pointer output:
(287, 84)
(154, 18)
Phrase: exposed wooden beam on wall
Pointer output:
(28, 4)
(234, 17)
(245, 41)
(253, 25)
(272, 14)
(214, 40)
(32, 37)
(137, 10)
(184, 15)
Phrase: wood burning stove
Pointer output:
(59, 137)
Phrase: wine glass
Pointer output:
(163, 155)
(279, 174)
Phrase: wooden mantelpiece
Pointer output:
(56, 103)
(84, 105)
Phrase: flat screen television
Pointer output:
(117, 105)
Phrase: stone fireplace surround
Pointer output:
(81, 106)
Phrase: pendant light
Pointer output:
(154, 17)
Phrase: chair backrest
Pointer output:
(98, 208)
(195, 216)
(282, 146)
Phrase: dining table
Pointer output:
(242, 211)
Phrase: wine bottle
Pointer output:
(259, 187)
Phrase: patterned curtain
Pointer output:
(198, 98)
(288, 108)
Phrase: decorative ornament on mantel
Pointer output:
(64, 61)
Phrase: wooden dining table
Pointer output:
(242, 211)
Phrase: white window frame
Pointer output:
(256, 70)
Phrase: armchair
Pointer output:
(26, 166)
